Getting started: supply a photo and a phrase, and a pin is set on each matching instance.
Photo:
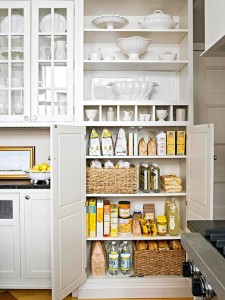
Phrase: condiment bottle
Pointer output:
(173, 219)
(110, 114)
(161, 225)
(155, 178)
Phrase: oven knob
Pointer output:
(186, 271)
(196, 287)
(190, 270)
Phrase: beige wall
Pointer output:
(199, 24)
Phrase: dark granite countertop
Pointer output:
(23, 184)
(200, 225)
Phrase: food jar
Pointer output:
(137, 214)
(125, 225)
(162, 225)
(124, 209)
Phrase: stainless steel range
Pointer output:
(205, 246)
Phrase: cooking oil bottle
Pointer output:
(155, 178)
(173, 219)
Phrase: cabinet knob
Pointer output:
(215, 157)
(26, 118)
(27, 197)
(34, 118)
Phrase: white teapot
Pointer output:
(127, 115)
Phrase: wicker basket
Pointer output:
(165, 262)
(111, 181)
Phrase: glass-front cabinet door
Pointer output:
(52, 61)
(14, 61)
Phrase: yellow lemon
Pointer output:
(43, 167)
(49, 169)
(36, 168)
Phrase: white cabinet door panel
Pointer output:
(200, 172)
(9, 236)
(68, 204)
(37, 230)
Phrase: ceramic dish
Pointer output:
(133, 46)
(15, 54)
(157, 21)
(132, 90)
(109, 21)
(168, 56)
(38, 176)
(60, 24)
(17, 25)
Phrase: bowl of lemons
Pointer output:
(40, 172)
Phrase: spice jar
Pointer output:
(124, 209)
(162, 225)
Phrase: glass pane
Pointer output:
(60, 20)
(60, 48)
(3, 102)
(45, 75)
(61, 103)
(44, 101)
(3, 75)
(60, 75)
(17, 47)
(17, 103)
(17, 75)
(4, 20)
(45, 47)
(3, 47)
(6, 209)
(45, 20)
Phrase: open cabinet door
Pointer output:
(200, 172)
(68, 209)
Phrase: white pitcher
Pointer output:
(60, 50)
(127, 115)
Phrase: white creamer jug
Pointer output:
(60, 50)
(127, 115)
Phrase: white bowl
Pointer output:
(133, 46)
(132, 90)
(39, 176)
(157, 21)
(161, 114)
(168, 55)
(91, 114)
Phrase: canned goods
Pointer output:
(124, 209)
(125, 225)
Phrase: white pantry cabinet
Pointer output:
(25, 230)
(36, 61)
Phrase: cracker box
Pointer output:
(99, 218)
(170, 142)
(130, 143)
(92, 217)
(181, 140)
(135, 143)
(114, 220)
(106, 218)
(161, 143)
(87, 218)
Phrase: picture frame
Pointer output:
(14, 160)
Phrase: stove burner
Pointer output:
(216, 237)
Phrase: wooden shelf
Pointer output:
(137, 157)
(138, 195)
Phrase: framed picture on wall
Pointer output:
(14, 160)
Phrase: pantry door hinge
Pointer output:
(186, 202)
(85, 270)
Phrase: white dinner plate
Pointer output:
(60, 24)
(17, 25)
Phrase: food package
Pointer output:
(122, 164)
(121, 143)
(108, 164)
(171, 188)
(142, 147)
(181, 138)
(175, 245)
(106, 218)
(161, 143)
(114, 220)
(98, 259)
(99, 218)
(107, 143)
(96, 164)
(171, 180)
(170, 137)
(135, 143)
(151, 147)
(141, 245)
(92, 217)
(87, 219)
(163, 245)
(136, 227)
(149, 211)
(130, 143)
(94, 144)
(152, 245)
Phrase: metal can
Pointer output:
(124, 209)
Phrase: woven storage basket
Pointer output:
(164, 262)
(111, 181)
